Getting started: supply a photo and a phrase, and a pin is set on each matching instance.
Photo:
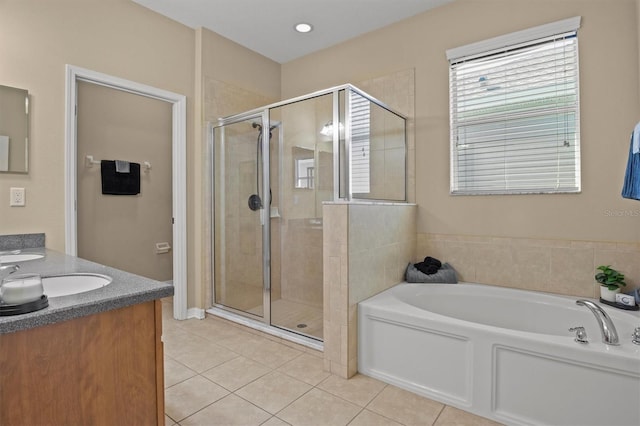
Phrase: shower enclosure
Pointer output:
(273, 167)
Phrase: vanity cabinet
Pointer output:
(100, 369)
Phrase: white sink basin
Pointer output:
(64, 285)
(21, 257)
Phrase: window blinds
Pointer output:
(514, 115)
(360, 143)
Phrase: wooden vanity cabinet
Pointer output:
(102, 369)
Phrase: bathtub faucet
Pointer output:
(609, 333)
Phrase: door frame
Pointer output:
(265, 220)
(179, 167)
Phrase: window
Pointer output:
(514, 112)
(304, 173)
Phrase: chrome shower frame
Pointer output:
(262, 114)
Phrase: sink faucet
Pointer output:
(609, 333)
(10, 268)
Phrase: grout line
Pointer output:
(439, 414)
(385, 416)
(286, 406)
(206, 406)
(170, 418)
(376, 395)
(357, 414)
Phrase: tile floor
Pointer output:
(221, 373)
(289, 314)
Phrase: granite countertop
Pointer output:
(126, 289)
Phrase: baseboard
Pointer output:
(195, 313)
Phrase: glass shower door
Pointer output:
(306, 180)
(238, 218)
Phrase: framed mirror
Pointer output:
(14, 130)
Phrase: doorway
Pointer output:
(118, 225)
(177, 103)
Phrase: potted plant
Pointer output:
(610, 282)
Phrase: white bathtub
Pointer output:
(501, 353)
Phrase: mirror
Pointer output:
(304, 167)
(14, 130)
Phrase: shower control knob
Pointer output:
(581, 334)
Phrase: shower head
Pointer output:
(272, 125)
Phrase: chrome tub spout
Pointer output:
(608, 330)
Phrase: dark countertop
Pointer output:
(126, 289)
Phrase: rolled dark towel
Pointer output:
(446, 274)
(432, 261)
(425, 268)
(430, 265)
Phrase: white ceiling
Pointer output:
(266, 26)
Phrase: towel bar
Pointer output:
(89, 162)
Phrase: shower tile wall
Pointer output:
(556, 266)
(302, 262)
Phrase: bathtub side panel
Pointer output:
(526, 390)
(431, 363)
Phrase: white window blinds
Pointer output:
(360, 144)
(515, 118)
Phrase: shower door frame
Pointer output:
(265, 212)
(263, 113)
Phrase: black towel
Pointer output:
(446, 274)
(114, 183)
(429, 266)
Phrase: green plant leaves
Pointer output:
(610, 277)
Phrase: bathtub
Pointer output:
(501, 353)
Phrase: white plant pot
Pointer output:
(608, 295)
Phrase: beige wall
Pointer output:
(115, 37)
(609, 103)
(122, 231)
(498, 239)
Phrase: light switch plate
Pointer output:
(17, 197)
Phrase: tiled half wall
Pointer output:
(366, 248)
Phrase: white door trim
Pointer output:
(179, 169)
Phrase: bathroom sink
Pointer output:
(66, 284)
(20, 257)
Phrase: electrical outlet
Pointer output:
(16, 197)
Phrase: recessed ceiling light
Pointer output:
(303, 27)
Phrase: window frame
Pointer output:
(503, 45)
